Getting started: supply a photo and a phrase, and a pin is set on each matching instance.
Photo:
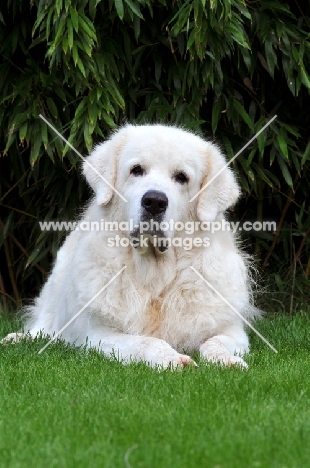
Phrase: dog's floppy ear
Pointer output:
(99, 167)
(222, 192)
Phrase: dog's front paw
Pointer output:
(13, 338)
(214, 351)
(159, 354)
(179, 361)
(226, 360)
(236, 361)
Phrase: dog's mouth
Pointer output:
(150, 239)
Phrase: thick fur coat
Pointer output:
(158, 309)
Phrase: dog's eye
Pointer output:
(137, 170)
(181, 178)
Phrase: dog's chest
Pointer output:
(178, 322)
(154, 317)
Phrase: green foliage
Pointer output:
(220, 67)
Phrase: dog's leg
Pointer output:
(127, 348)
(13, 338)
(31, 333)
(226, 349)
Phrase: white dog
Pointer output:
(158, 306)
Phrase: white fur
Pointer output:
(158, 307)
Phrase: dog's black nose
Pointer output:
(154, 202)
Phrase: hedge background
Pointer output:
(222, 68)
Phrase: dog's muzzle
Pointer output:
(153, 207)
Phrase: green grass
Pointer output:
(69, 408)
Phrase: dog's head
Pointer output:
(159, 169)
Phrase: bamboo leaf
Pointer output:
(270, 57)
(283, 145)
(60, 29)
(134, 8)
(75, 54)
(65, 45)
(285, 172)
(216, 111)
(119, 8)
(58, 6)
(70, 34)
(44, 136)
(75, 19)
(38, 21)
(92, 112)
(81, 67)
(92, 8)
(304, 77)
(35, 150)
(87, 27)
(244, 114)
(52, 107)
(306, 155)
(23, 131)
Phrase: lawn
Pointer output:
(70, 408)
